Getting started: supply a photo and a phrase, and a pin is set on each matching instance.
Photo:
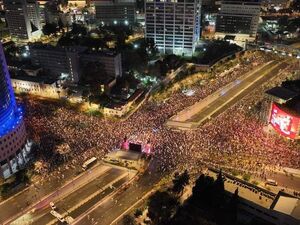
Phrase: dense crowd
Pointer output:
(236, 139)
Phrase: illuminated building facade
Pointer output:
(238, 18)
(284, 122)
(173, 25)
(115, 12)
(284, 113)
(66, 62)
(23, 19)
(14, 146)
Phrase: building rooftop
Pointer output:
(249, 195)
(287, 204)
(75, 48)
(282, 93)
(229, 37)
(36, 79)
(293, 106)
(100, 53)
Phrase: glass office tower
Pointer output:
(14, 146)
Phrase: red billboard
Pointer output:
(284, 123)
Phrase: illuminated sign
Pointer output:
(284, 123)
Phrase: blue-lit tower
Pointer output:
(14, 146)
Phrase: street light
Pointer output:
(115, 22)
(135, 46)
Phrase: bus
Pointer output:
(89, 163)
(271, 182)
(58, 216)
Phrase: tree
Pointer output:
(128, 220)
(63, 3)
(161, 207)
(138, 213)
(5, 189)
(180, 181)
(203, 190)
(60, 24)
(78, 29)
(295, 5)
(21, 177)
(49, 28)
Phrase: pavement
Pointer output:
(114, 207)
(289, 183)
(80, 200)
(224, 98)
(40, 195)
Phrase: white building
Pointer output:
(174, 25)
(38, 87)
(23, 19)
(239, 19)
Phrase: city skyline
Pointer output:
(158, 112)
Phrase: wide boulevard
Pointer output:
(224, 98)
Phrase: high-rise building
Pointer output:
(61, 62)
(121, 12)
(67, 62)
(51, 12)
(14, 146)
(238, 18)
(173, 25)
(23, 19)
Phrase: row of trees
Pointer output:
(19, 178)
(214, 51)
(207, 205)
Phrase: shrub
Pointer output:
(138, 213)
(246, 177)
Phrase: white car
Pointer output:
(52, 206)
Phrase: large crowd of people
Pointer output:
(236, 139)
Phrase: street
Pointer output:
(38, 198)
(104, 215)
(218, 102)
(80, 200)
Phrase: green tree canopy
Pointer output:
(180, 181)
(50, 28)
(161, 207)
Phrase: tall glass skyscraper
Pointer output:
(14, 146)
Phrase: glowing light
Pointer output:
(10, 114)
(285, 124)
(25, 54)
